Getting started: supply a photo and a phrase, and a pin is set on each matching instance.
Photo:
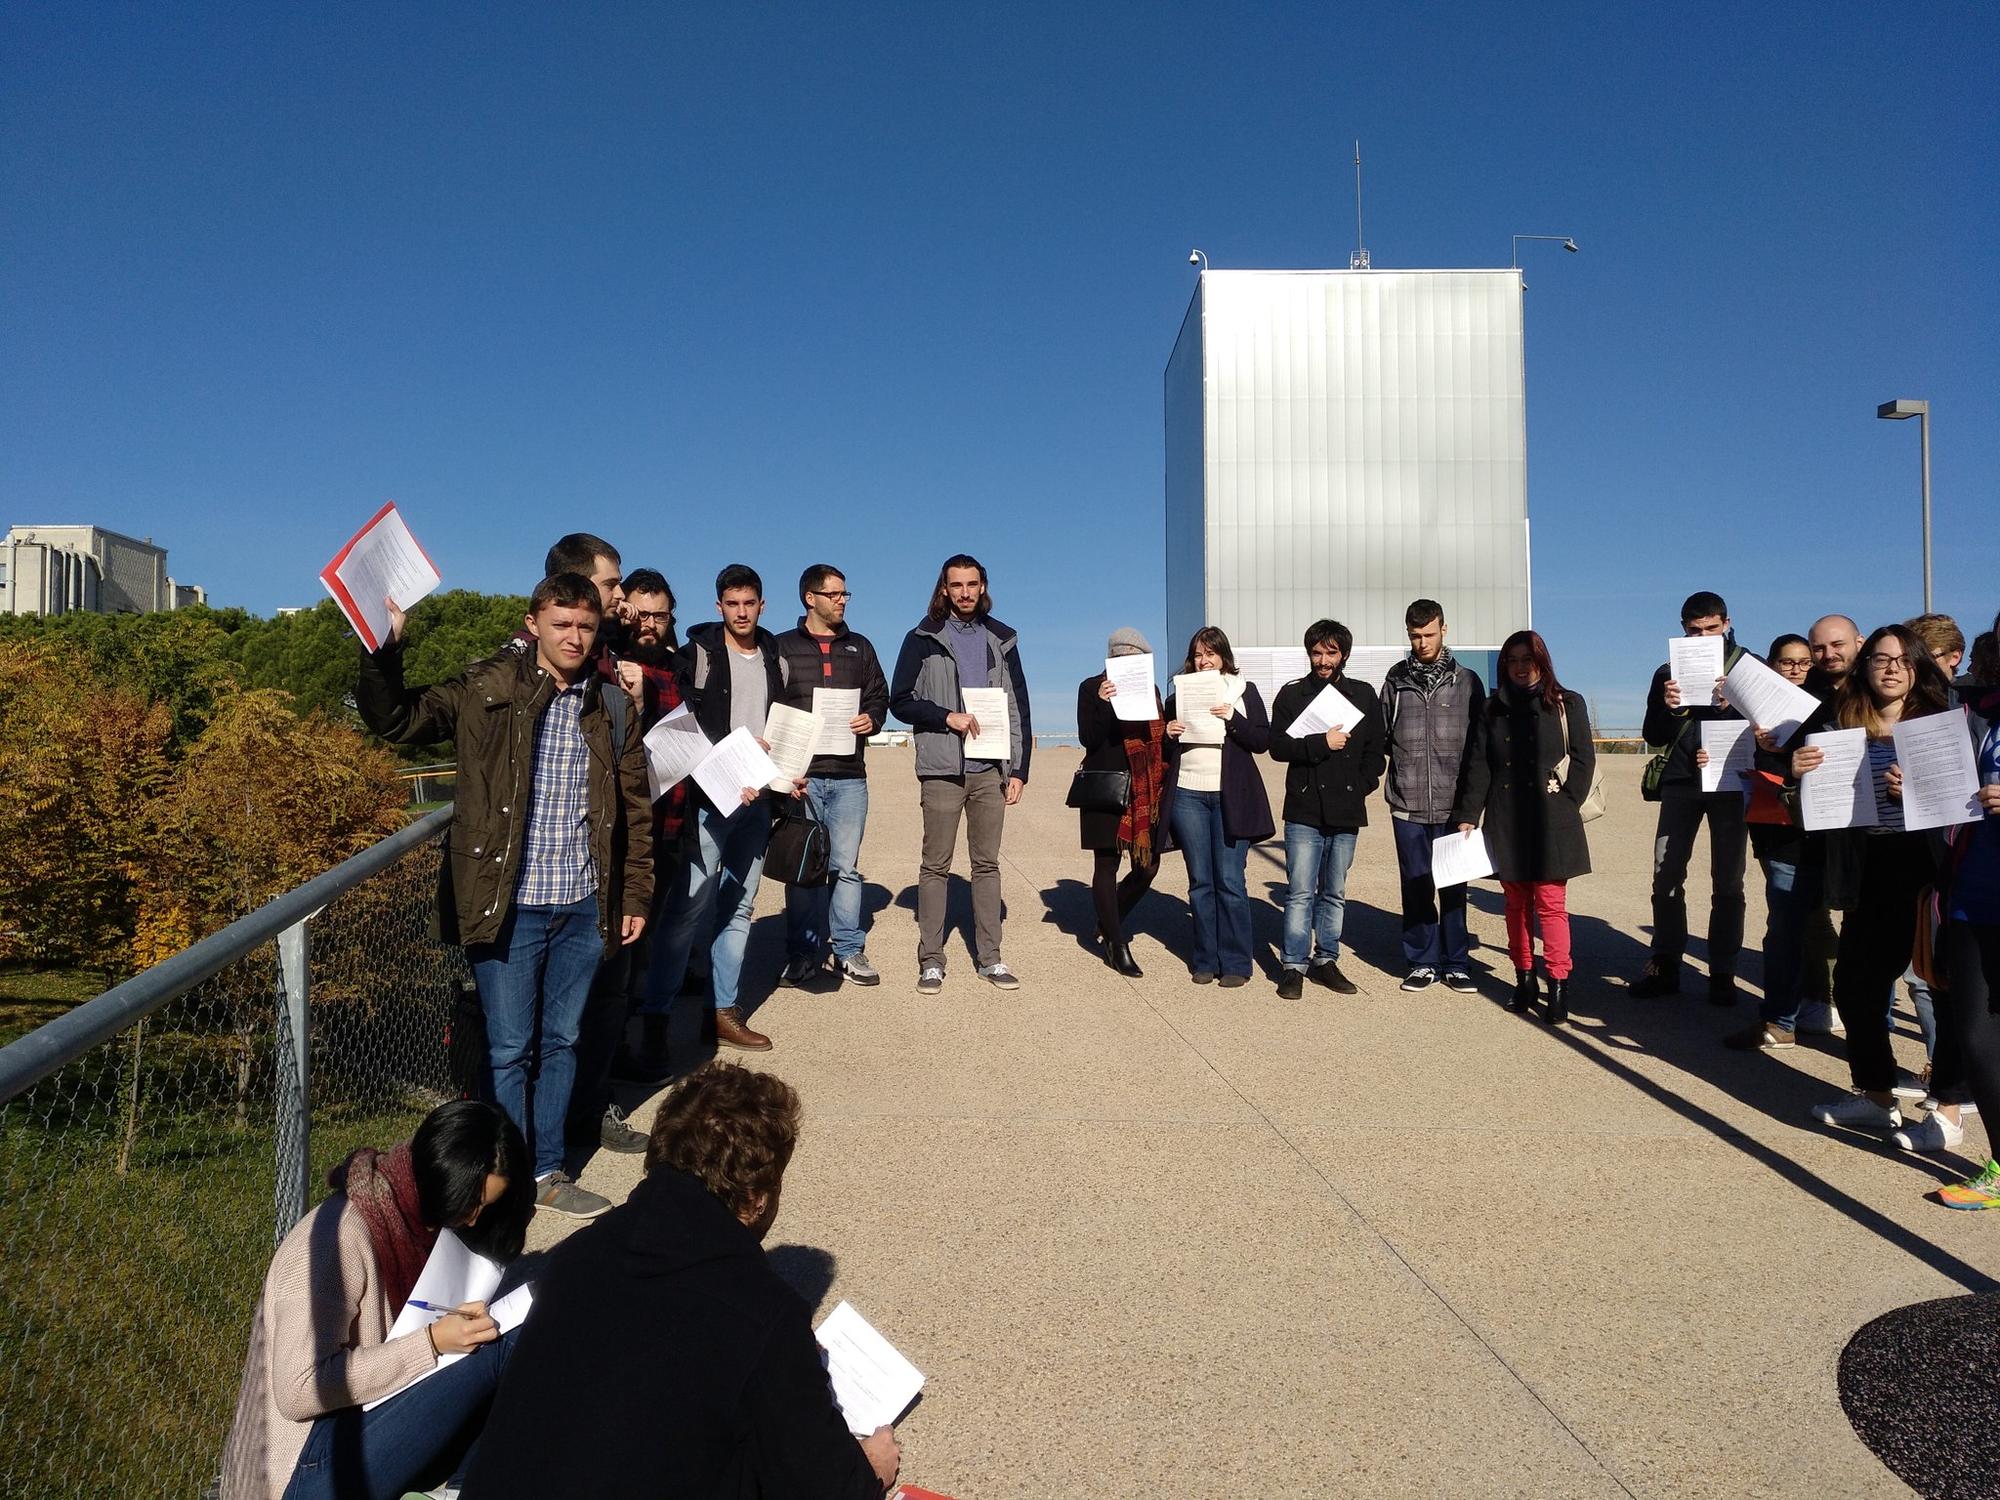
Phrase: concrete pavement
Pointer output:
(1153, 1239)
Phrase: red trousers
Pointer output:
(1532, 904)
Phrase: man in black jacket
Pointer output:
(1328, 775)
(822, 653)
(1674, 713)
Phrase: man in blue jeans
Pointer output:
(1328, 776)
(823, 656)
(549, 862)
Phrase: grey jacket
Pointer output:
(925, 688)
(1427, 738)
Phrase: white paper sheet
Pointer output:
(1766, 699)
(453, 1276)
(736, 762)
(791, 734)
(994, 740)
(833, 710)
(674, 747)
(1459, 857)
(1731, 748)
(1329, 709)
(1839, 792)
(1133, 677)
(872, 1383)
(1195, 695)
(382, 560)
(1695, 661)
(1940, 776)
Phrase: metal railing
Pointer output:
(157, 1140)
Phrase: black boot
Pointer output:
(1119, 956)
(1558, 1001)
(1524, 991)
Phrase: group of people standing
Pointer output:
(1518, 761)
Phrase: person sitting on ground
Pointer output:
(1136, 747)
(733, 1400)
(319, 1345)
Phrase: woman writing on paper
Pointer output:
(1528, 767)
(1135, 748)
(1873, 874)
(319, 1345)
(1219, 808)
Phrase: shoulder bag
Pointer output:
(800, 852)
(1591, 808)
(1100, 791)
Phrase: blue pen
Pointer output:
(435, 1307)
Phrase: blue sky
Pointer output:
(874, 284)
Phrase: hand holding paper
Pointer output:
(872, 1383)
(1459, 857)
(1694, 662)
(381, 566)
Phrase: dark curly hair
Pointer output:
(732, 1128)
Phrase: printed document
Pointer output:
(1940, 778)
(674, 747)
(736, 762)
(1840, 791)
(382, 560)
(1195, 696)
(989, 707)
(453, 1276)
(1133, 677)
(1459, 857)
(1695, 661)
(833, 710)
(1730, 746)
(872, 1383)
(1766, 699)
(791, 733)
(1330, 709)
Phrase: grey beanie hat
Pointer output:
(1125, 641)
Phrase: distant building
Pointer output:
(60, 570)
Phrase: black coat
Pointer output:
(1323, 787)
(1103, 736)
(664, 1358)
(1532, 833)
(1246, 809)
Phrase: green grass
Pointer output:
(33, 997)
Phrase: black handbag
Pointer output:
(800, 852)
(1100, 791)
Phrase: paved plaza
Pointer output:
(1150, 1239)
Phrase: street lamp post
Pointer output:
(1562, 239)
(1900, 411)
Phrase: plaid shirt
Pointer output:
(556, 867)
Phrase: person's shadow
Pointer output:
(806, 1269)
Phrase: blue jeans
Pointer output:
(712, 901)
(534, 979)
(1215, 884)
(813, 914)
(1434, 932)
(1791, 896)
(1316, 863)
(418, 1440)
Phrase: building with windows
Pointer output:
(57, 570)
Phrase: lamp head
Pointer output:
(1897, 411)
(1570, 245)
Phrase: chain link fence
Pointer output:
(144, 1182)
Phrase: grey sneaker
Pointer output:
(857, 968)
(615, 1135)
(1000, 977)
(559, 1195)
(797, 972)
(931, 981)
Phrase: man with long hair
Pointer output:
(959, 645)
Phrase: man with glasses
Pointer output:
(1674, 714)
(1833, 640)
(825, 922)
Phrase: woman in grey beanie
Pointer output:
(1137, 747)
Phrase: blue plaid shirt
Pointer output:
(556, 867)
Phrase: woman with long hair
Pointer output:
(1874, 874)
(1133, 832)
(1528, 767)
(1219, 810)
(319, 1344)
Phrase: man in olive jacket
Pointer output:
(549, 862)
(1328, 776)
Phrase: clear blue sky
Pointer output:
(874, 284)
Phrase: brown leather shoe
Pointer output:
(731, 1032)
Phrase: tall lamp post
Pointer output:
(1562, 239)
(1900, 411)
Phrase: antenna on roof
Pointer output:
(1358, 261)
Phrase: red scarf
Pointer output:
(383, 1187)
(1145, 755)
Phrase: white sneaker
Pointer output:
(1820, 1018)
(1859, 1112)
(1933, 1133)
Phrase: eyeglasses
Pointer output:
(652, 616)
(832, 593)
(1881, 661)
(1793, 664)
